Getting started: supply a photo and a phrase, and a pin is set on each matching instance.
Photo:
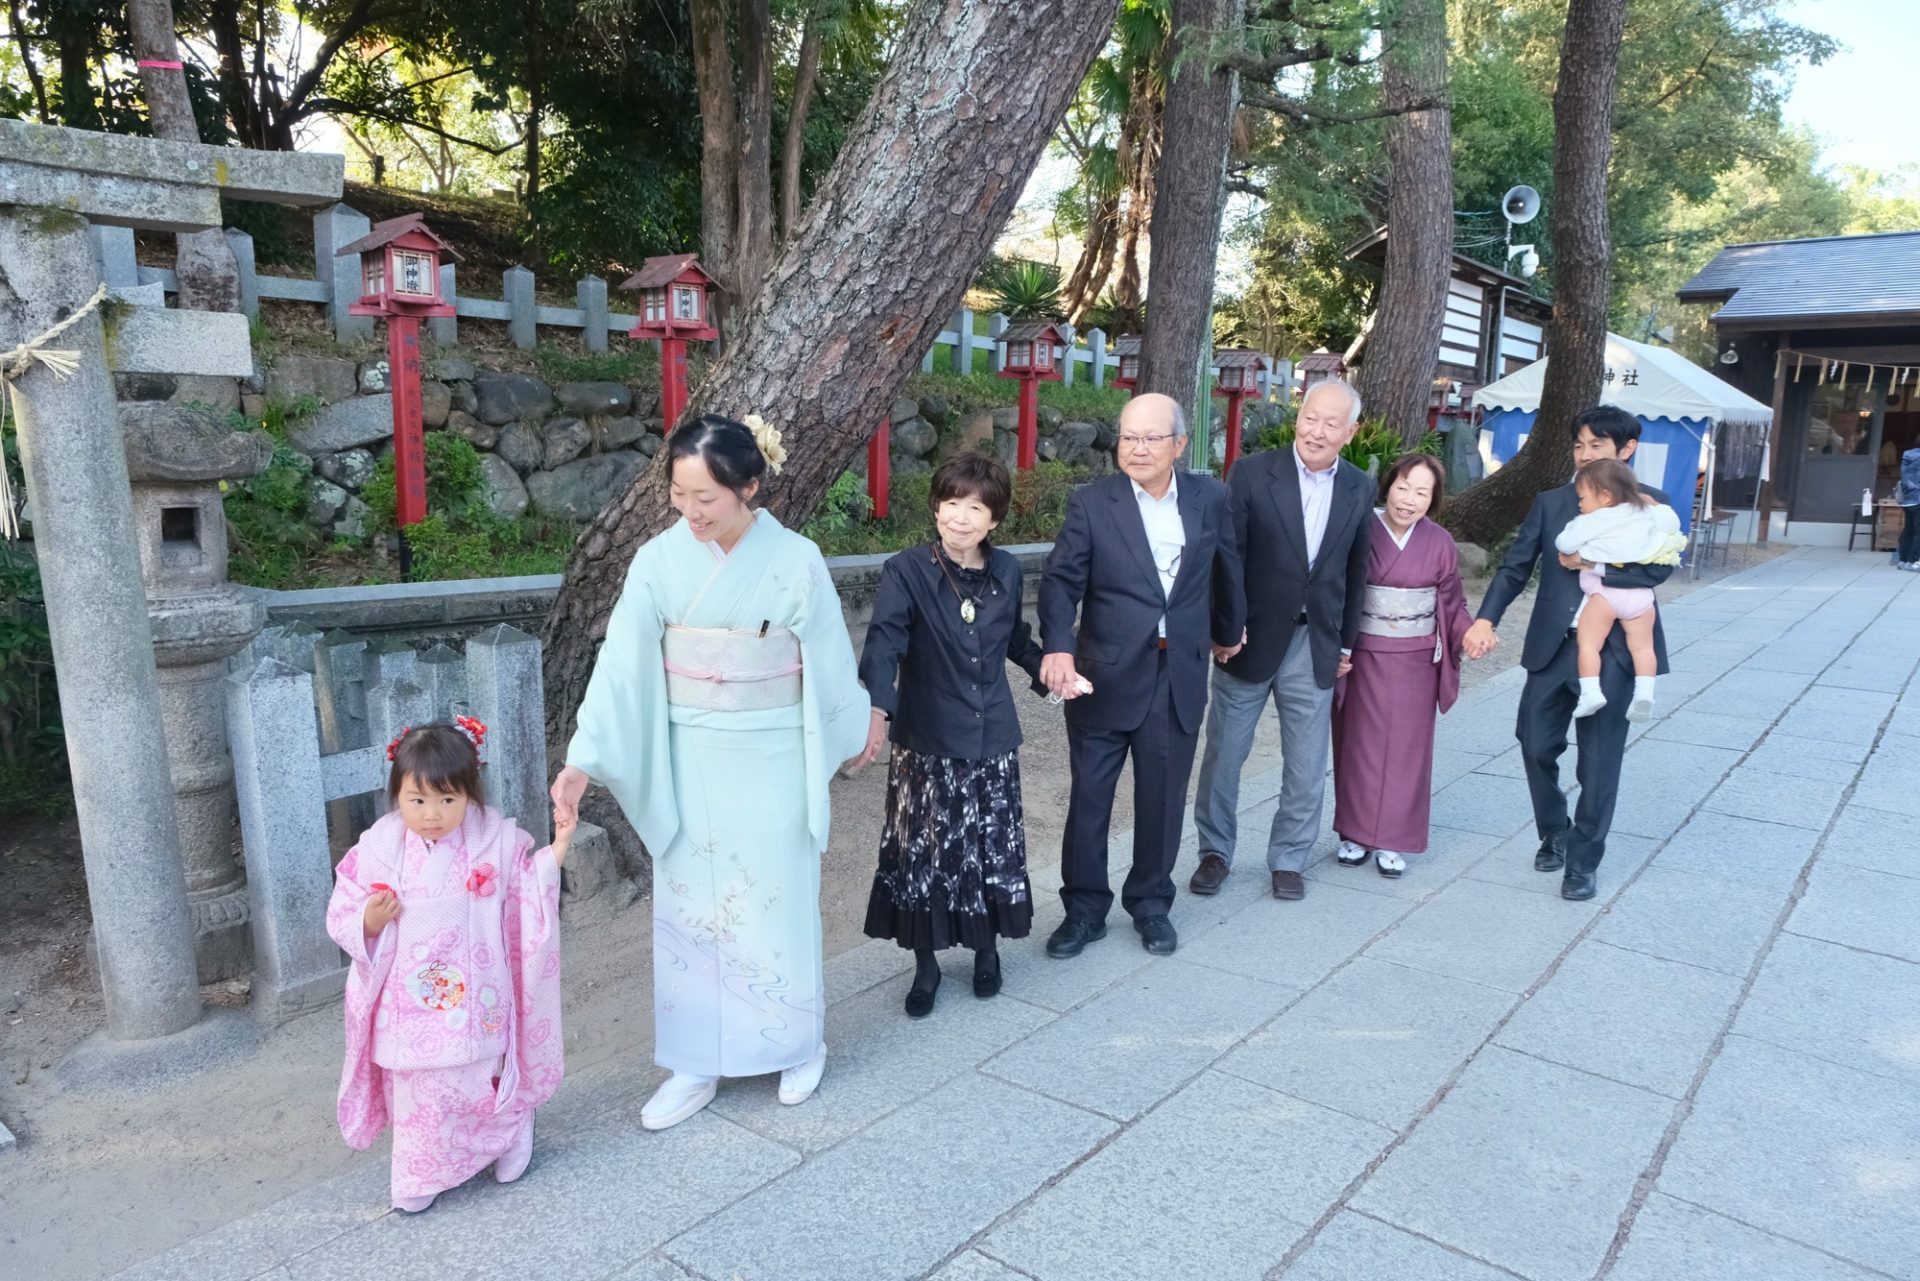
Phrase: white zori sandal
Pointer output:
(683, 1095)
(1351, 855)
(797, 1084)
(1389, 863)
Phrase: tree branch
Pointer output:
(338, 107)
(350, 26)
(1294, 109)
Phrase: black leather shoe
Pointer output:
(1553, 853)
(920, 999)
(1071, 937)
(986, 974)
(1208, 876)
(1576, 885)
(1156, 935)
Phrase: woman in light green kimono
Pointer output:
(723, 699)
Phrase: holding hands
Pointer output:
(1225, 653)
(1057, 673)
(1481, 639)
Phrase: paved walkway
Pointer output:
(1713, 1069)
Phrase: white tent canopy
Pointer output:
(1647, 382)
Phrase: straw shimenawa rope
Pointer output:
(14, 365)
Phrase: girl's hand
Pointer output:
(383, 909)
(563, 829)
(566, 792)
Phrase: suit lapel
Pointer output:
(1191, 522)
(1133, 528)
(1340, 511)
(1284, 494)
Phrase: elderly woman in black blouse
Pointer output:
(946, 621)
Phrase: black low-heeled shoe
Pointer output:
(920, 999)
(986, 975)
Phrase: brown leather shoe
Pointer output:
(1289, 885)
(1208, 876)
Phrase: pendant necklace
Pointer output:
(968, 607)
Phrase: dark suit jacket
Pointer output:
(1559, 597)
(1102, 567)
(1271, 533)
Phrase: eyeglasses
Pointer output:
(1145, 442)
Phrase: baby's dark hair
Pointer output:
(1615, 479)
(442, 758)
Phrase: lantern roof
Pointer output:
(1239, 358)
(1324, 361)
(669, 269)
(405, 226)
(1127, 346)
(1034, 331)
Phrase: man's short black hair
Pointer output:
(1609, 422)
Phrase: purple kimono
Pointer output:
(1406, 669)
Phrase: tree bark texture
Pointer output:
(753, 241)
(924, 183)
(806, 73)
(17, 24)
(1577, 333)
(1139, 168)
(719, 135)
(204, 266)
(1189, 197)
(1396, 381)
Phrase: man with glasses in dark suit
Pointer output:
(1147, 561)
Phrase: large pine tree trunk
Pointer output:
(1189, 197)
(1397, 379)
(204, 266)
(1577, 334)
(719, 136)
(753, 242)
(924, 183)
(806, 73)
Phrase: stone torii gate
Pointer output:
(52, 182)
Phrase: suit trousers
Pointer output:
(1162, 754)
(1546, 709)
(1306, 727)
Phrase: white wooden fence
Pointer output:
(335, 285)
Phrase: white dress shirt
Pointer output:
(1316, 503)
(1166, 532)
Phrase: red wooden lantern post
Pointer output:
(400, 280)
(1127, 351)
(675, 307)
(880, 467)
(1239, 378)
(1030, 345)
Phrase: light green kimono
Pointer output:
(732, 805)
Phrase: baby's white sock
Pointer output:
(1643, 688)
(1591, 699)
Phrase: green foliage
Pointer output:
(1023, 290)
(634, 364)
(456, 485)
(1374, 447)
(483, 546)
(1082, 402)
(33, 757)
(841, 528)
(269, 536)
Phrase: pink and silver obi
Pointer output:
(718, 670)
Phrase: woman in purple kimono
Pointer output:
(1405, 669)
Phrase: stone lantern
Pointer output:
(180, 460)
(1030, 358)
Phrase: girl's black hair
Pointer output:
(725, 446)
(442, 758)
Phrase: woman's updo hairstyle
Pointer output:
(725, 446)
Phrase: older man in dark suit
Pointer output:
(1299, 519)
(1147, 560)
(1551, 658)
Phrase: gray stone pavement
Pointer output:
(1711, 1070)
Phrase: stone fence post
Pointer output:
(334, 226)
(517, 283)
(445, 330)
(591, 295)
(505, 689)
(996, 326)
(1069, 354)
(242, 245)
(275, 738)
(1097, 347)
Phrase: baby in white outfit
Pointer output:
(1619, 524)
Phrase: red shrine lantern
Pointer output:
(400, 282)
(676, 307)
(1031, 346)
(1239, 379)
(1127, 350)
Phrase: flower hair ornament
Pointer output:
(768, 439)
(470, 726)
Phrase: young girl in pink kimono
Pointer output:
(450, 918)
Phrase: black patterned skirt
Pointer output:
(953, 857)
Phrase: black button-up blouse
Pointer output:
(953, 698)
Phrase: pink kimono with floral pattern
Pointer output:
(453, 1012)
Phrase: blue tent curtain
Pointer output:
(1681, 438)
